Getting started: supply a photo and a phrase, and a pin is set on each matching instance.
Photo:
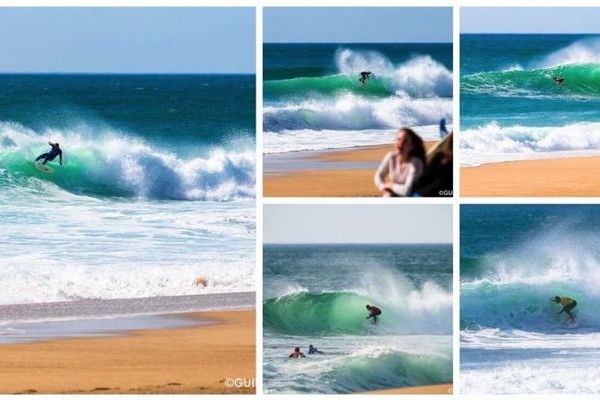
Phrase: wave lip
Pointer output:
(113, 165)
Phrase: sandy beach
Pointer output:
(167, 361)
(445, 388)
(332, 181)
(565, 177)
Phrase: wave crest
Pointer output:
(114, 165)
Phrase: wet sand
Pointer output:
(196, 359)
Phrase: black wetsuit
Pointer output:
(364, 75)
(51, 155)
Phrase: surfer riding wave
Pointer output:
(52, 154)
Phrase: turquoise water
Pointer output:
(313, 99)
(514, 259)
(152, 164)
(316, 294)
(511, 108)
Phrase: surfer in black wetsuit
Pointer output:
(559, 80)
(373, 312)
(364, 77)
(313, 350)
(52, 154)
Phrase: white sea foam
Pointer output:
(496, 143)
(585, 51)
(421, 76)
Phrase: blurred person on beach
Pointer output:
(402, 166)
(437, 181)
(443, 129)
(296, 353)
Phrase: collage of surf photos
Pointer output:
(261, 198)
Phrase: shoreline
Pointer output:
(346, 172)
(196, 359)
(554, 177)
(444, 388)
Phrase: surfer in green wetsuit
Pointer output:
(568, 304)
(52, 154)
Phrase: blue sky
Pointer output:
(127, 40)
(358, 223)
(357, 24)
(529, 20)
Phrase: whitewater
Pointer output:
(331, 109)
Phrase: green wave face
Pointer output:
(82, 173)
(579, 80)
(525, 307)
(394, 369)
(326, 86)
(314, 314)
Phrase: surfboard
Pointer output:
(43, 168)
(571, 324)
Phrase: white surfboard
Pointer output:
(43, 168)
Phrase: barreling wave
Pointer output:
(419, 77)
(428, 310)
(113, 165)
(580, 80)
(495, 143)
(513, 289)
(353, 112)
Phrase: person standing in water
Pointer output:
(52, 154)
